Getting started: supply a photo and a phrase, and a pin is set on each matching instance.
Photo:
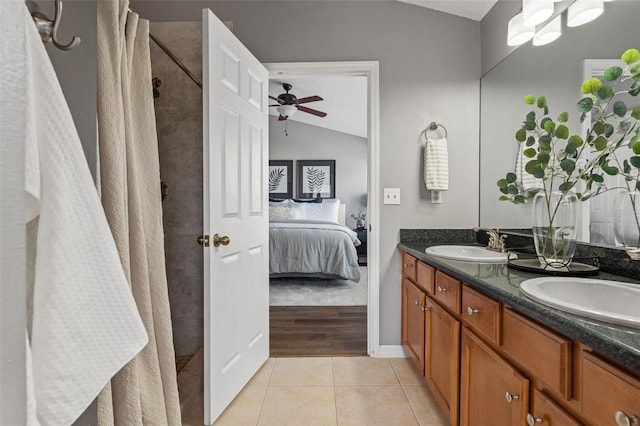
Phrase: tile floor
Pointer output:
(333, 391)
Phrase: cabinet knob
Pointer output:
(425, 308)
(510, 397)
(471, 311)
(531, 421)
(622, 419)
(441, 289)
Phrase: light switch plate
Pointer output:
(392, 196)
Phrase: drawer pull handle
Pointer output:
(510, 397)
(441, 289)
(471, 311)
(622, 419)
(531, 421)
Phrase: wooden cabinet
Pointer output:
(487, 364)
(442, 339)
(609, 395)
(413, 301)
(545, 411)
(492, 392)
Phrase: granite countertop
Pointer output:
(619, 343)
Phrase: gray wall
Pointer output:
(307, 142)
(429, 71)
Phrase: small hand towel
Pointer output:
(526, 180)
(436, 165)
(85, 324)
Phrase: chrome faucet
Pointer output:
(496, 241)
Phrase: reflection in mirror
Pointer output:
(555, 71)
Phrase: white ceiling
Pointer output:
(345, 97)
(345, 101)
(472, 9)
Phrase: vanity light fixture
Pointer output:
(535, 12)
(550, 32)
(517, 32)
(583, 11)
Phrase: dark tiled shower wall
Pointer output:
(179, 126)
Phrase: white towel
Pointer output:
(436, 165)
(526, 180)
(85, 324)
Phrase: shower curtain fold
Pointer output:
(145, 390)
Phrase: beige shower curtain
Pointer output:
(145, 390)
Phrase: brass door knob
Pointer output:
(217, 240)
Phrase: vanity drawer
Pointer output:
(426, 277)
(607, 390)
(543, 353)
(409, 266)
(481, 313)
(447, 292)
(546, 412)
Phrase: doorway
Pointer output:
(353, 321)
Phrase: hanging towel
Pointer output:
(84, 324)
(436, 165)
(526, 180)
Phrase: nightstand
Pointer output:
(362, 248)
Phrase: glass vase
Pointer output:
(626, 219)
(555, 220)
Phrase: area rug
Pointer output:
(318, 292)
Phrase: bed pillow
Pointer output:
(326, 211)
(285, 211)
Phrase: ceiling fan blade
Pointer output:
(309, 99)
(282, 118)
(275, 99)
(311, 111)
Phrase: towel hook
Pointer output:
(48, 28)
(434, 126)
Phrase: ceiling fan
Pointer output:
(288, 104)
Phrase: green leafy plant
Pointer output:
(574, 164)
(562, 160)
(359, 215)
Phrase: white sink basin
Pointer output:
(467, 253)
(608, 301)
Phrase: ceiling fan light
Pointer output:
(517, 32)
(583, 11)
(535, 12)
(549, 32)
(286, 110)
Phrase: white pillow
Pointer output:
(286, 211)
(326, 211)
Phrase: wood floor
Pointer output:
(318, 330)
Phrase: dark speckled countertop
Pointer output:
(619, 343)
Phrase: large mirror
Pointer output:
(555, 71)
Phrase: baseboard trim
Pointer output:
(391, 351)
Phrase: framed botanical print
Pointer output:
(281, 179)
(316, 179)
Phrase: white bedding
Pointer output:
(318, 248)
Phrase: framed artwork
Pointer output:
(316, 179)
(280, 178)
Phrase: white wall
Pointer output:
(429, 71)
(307, 142)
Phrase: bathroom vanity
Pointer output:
(492, 356)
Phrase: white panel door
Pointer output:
(236, 274)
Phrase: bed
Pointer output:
(308, 240)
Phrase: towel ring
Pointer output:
(432, 127)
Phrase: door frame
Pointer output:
(370, 70)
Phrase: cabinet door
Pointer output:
(492, 392)
(442, 337)
(546, 412)
(413, 322)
